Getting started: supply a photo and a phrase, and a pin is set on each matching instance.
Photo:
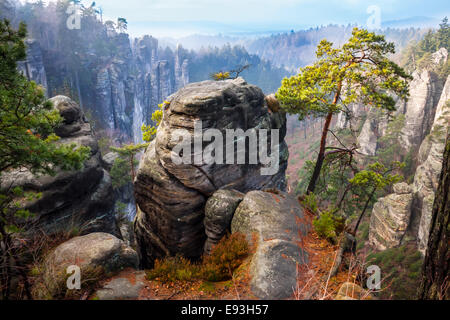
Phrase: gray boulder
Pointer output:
(219, 211)
(172, 196)
(97, 255)
(122, 288)
(95, 249)
(277, 222)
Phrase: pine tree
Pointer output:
(358, 72)
(27, 123)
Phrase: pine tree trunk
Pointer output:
(321, 156)
(435, 270)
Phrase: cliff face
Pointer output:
(414, 209)
(426, 179)
(391, 217)
(123, 91)
(130, 87)
(33, 67)
(419, 111)
(171, 196)
(7, 9)
(420, 108)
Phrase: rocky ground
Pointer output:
(313, 281)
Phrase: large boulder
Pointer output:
(276, 222)
(79, 199)
(219, 212)
(94, 249)
(96, 255)
(172, 195)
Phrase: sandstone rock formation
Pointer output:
(97, 253)
(420, 108)
(277, 222)
(352, 291)
(352, 116)
(390, 218)
(368, 138)
(79, 200)
(426, 179)
(171, 197)
(391, 213)
(94, 249)
(33, 67)
(219, 212)
(126, 287)
(425, 91)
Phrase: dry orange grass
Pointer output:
(314, 281)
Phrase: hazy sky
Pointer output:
(258, 15)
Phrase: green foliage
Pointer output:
(400, 272)
(363, 235)
(345, 188)
(225, 258)
(104, 143)
(129, 149)
(262, 73)
(149, 131)
(123, 170)
(120, 172)
(122, 24)
(121, 212)
(359, 71)
(328, 226)
(418, 54)
(220, 76)
(310, 201)
(27, 123)
(376, 176)
(232, 74)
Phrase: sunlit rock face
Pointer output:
(413, 209)
(427, 119)
(390, 218)
(420, 108)
(428, 172)
(419, 111)
(172, 197)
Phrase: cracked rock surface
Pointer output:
(172, 197)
